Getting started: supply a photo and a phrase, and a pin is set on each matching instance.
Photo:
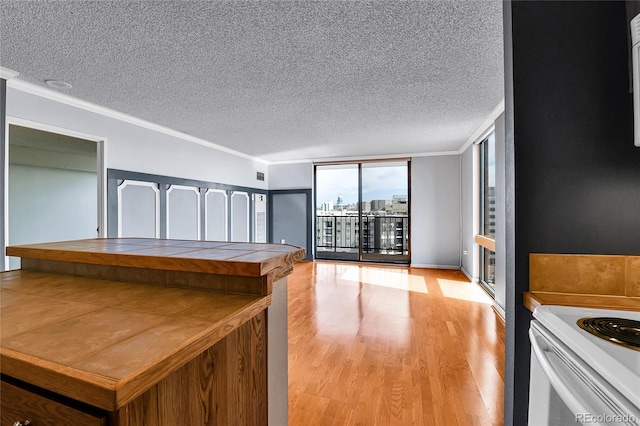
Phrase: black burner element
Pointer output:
(622, 331)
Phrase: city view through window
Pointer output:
(362, 212)
(488, 211)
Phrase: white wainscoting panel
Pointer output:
(216, 221)
(183, 212)
(138, 209)
(240, 217)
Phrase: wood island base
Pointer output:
(109, 350)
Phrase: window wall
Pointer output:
(487, 237)
(362, 211)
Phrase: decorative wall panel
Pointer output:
(154, 206)
(240, 216)
(138, 209)
(216, 223)
(183, 213)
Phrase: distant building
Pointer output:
(490, 212)
(379, 205)
(366, 206)
(399, 204)
(384, 228)
(326, 207)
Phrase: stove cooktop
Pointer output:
(617, 364)
(621, 331)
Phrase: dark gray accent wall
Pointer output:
(3, 161)
(291, 218)
(115, 178)
(515, 319)
(575, 169)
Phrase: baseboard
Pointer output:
(469, 276)
(498, 310)
(430, 266)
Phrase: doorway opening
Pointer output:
(362, 211)
(53, 187)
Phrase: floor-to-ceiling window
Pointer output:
(487, 237)
(362, 211)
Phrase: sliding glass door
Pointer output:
(385, 212)
(337, 218)
(362, 211)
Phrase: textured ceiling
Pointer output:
(272, 79)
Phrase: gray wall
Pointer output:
(570, 146)
(470, 207)
(291, 176)
(136, 148)
(435, 205)
(292, 218)
(48, 204)
(435, 211)
(295, 208)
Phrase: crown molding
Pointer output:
(44, 92)
(279, 162)
(485, 128)
(12, 82)
(7, 74)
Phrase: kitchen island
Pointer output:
(143, 331)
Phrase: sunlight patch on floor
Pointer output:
(464, 291)
(400, 280)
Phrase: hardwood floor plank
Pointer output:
(386, 345)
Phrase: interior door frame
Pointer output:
(101, 171)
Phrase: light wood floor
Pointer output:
(376, 345)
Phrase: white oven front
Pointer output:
(564, 390)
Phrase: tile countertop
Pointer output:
(591, 281)
(210, 257)
(103, 320)
(105, 342)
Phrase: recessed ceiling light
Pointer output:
(58, 84)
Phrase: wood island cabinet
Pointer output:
(132, 332)
(20, 405)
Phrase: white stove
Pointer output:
(578, 377)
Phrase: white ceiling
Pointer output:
(278, 80)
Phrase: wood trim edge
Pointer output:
(486, 242)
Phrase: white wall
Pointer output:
(435, 211)
(291, 176)
(136, 148)
(470, 209)
(48, 204)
